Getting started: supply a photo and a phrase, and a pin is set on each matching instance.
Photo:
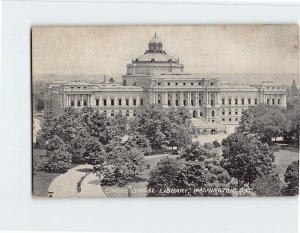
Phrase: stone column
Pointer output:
(108, 101)
(173, 98)
(181, 99)
(123, 101)
(165, 99)
(130, 101)
(138, 101)
(189, 99)
(196, 98)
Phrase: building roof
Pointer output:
(156, 57)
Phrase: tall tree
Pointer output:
(291, 178)
(246, 158)
(266, 122)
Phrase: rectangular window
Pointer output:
(127, 102)
(158, 84)
(212, 102)
(223, 119)
(84, 103)
(192, 84)
(199, 84)
(243, 101)
(142, 102)
(236, 119)
(223, 101)
(72, 103)
(176, 84)
(78, 103)
(183, 84)
(192, 102)
(268, 101)
(229, 101)
(184, 102)
(112, 102)
(255, 101)
(158, 101)
(211, 84)
(273, 101)
(169, 102)
(278, 101)
(229, 112)
(223, 113)
(229, 119)
(236, 101)
(236, 112)
(169, 84)
(97, 102)
(249, 101)
(176, 102)
(134, 102)
(104, 102)
(120, 102)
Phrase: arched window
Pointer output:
(120, 112)
(134, 112)
(194, 114)
(127, 113)
(112, 113)
(212, 113)
(105, 113)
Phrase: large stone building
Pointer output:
(158, 78)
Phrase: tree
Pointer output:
(293, 114)
(195, 169)
(267, 185)
(164, 175)
(40, 105)
(291, 178)
(125, 162)
(179, 136)
(139, 141)
(266, 122)
(246, 158)
(55, 161)
(164, 127)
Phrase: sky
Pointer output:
(267, 49)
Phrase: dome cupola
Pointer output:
(155, 45)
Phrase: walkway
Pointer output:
(65, 185)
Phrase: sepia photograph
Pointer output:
(165, 111)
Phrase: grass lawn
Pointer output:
(152, 160)
(41, 180)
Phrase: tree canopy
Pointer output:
(266, 122)
(246, 158)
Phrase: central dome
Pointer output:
(155, 40)
(155, 53)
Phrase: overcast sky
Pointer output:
(202, 49)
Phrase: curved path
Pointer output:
(65, 185)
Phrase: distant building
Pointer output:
(158, 78)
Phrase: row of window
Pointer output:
(193, 103)
(230, 119)
(236, 112)
(273, 101)
(78, 103)
(127, 113)
(236, 102)
(112, 102)
(184, 84)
